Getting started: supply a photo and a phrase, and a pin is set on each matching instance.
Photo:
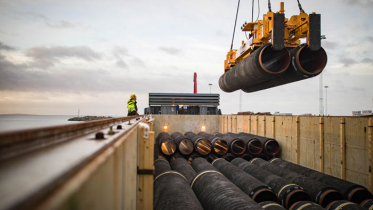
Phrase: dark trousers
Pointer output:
(132, 113)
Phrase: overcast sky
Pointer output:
(60, 56)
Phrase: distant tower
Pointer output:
(321, 96)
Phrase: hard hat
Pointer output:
(133, 96)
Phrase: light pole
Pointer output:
(326, 100)
(210, 87)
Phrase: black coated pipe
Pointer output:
(253, 145)
(288, 193)
(320, 193)
(246, 157)
(192, 156)
(344, 205)
(367, 204)
(264, 157)
(351, 191)
(167, 144)
(201, 145)
(236, 146)
(184, 144)
(305, 64)
(181, 165)
(271, 205)
(216, 192)
(257, 190)
(270, 146)
(263, 64)
(175, 156)
(219, 146)
(171, 190)
(157, 153)
(306, 205)
(211, 157)
(229, 157)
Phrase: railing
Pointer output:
(105, 164)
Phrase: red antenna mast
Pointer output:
(195, 82)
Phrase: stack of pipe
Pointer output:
(236, 146)
(257, 190)
(184, 144)
(351, 191)
(219, 146)
(253, 145)
(288, 193)
(270, 146)
(320, 193)
(166, 143)
(171, 189)
(216, 192)
(201, 145)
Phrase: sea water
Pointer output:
(20, 122)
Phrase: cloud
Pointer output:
(121, 64)
(46, 20)
(61, 24)
(46, 57)
(329, 45)
(118, 52)
(367, 60)
(362, 3)
(369, 38)
(6, 47)
(347, 62)
(170, 50)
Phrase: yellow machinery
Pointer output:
(273, 55)
(295, 28)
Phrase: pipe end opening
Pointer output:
(186, 147)
(238, 147)
(296, 196)
(329, 196)
(311, 62)
(274, 61)
(272, 147)
(359, 195)
(168, 147)
(255, 147)
(220, 147)
(204, 147)
(264, 195)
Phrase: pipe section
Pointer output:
(263, 64)
(306, 205)
(305, 64)
(351, 191)
(320, 193)
(236, 146)
(257, 190)
(201, 145)
(253, 145)
(270, 205)
(184, 145)
(219, 146)
(367, 204)
(171, 190)
(157, 153)
(288, 193)
(344, 205)
(181, 165)
(216, 192)
(270, 146)
(164, 140)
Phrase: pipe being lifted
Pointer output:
(219, 146)
(184, 144)
(270, 146)
(216, 192)
(236, 146)
(351, 191)
(306, 63)
(288, 193)
(253, 145)
(263, 64)
(201, 145)
(167, 144)
(171, 190)
(320, 193)
(257, 190)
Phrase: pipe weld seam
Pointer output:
(253, 160)
(170, 172)
(278, 194)
(344, 204)
(216, 160)
(304, 205)
(271, 204)
(273, 160)
(205, 172)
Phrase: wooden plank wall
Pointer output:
(339, 146)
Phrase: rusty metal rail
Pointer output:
(77, 166)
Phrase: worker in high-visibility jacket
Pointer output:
(132, 106)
